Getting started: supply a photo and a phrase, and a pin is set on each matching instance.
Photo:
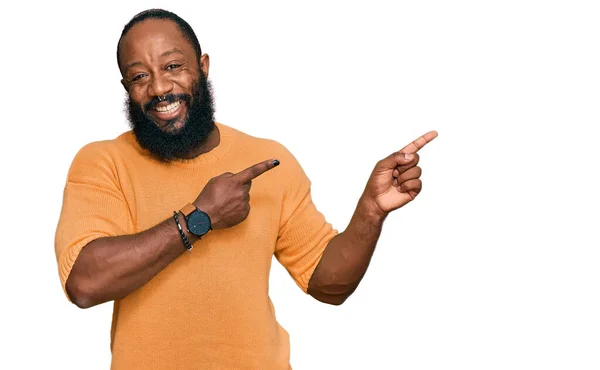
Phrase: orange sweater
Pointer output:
(209, 309)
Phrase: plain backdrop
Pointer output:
(496, 265)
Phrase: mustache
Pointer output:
(169, 98)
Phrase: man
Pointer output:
(177, 182)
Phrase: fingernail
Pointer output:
(408, 156)
(276, 163)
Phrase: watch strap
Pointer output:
(188, 209)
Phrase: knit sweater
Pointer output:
(209, 309)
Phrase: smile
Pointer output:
(168, 112)
(169, 108)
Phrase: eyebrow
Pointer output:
(166, 53)
(172, 51)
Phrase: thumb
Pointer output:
(396, 159)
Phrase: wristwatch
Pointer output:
(198, 222)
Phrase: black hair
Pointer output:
(184, 27)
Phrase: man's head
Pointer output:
(169, 102)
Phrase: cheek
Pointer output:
(185, 80)
(137, 96)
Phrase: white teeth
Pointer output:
(169, 108)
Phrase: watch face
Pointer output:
(198, 223)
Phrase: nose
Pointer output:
(160, 85)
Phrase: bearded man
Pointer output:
(179, 181)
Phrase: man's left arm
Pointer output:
(393, 183)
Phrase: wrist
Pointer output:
(197, 221)
(208, 208)
(370, 211)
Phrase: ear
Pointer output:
(205, 63)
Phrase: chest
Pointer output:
(156, 193)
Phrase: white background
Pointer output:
(496, 265)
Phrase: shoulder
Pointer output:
(106, 149)
(254, 145)
(253, 149)
(103, 155)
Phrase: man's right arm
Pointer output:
(110, 268)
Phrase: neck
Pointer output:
(213, 140)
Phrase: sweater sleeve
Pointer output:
(93, 206)
(303, 231)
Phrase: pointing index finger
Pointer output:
(256, 170)
(419, 143)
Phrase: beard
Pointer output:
(198, 123)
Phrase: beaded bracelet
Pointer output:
(186, 241)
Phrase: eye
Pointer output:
(137, 77)
(173, 66)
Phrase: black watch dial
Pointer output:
(198, 223)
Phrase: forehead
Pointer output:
(152, 37)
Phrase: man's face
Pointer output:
(170, 102)
(156, 60)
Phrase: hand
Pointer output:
(395, 179)
(226, 198)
